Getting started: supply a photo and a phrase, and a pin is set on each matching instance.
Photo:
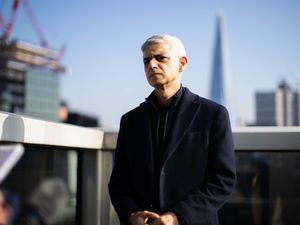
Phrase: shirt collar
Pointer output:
(175, 99)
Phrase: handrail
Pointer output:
(16, 128)
(267, 138)
(22, 129)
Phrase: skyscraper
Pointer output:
(279, 108)
(220, 86)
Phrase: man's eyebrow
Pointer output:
(154, 56)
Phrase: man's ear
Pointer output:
(183, 60)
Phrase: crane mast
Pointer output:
(8, 27)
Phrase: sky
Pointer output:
(105, 71)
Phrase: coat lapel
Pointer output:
(185, 116)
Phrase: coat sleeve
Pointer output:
(119, 185)
(203, 202)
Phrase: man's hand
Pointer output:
(142, 217)
(168, 218)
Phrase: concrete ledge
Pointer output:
(267, 138)
(16, 128)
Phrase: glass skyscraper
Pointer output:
(220, 86)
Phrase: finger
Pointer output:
(156, 222)
(151, 215)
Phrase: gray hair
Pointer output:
(173, 42)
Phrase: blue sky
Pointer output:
(103, 40)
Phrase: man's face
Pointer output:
(162, 65)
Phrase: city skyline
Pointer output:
(103, 48)
(279, 107)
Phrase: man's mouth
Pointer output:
(154, 74)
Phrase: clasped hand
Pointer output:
(151, 218)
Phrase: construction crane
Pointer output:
(1, 20)
(7, 27)
(1, 17)
(34, 23)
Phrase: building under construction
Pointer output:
(29, 81)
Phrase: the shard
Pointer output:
(220, 86)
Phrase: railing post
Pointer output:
(88, 188)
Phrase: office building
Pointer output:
(278, 108)
(29, 80)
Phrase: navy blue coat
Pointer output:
(198, 170)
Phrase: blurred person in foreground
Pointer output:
(174, 161)
(46, 203)
(9, 207)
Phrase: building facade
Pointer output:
(29, 80)
(278, 108)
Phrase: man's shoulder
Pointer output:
(188, 97)
(139, 110)
(209, 109)
(210, 104)
(204, 102)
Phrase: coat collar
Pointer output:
(152, 98)
(188, 108)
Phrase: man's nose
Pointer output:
(153, 63)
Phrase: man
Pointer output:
(174, 161)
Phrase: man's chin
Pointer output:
(155, 84)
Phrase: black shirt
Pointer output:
(162, 119)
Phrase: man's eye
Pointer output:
(146, 61)
(161, 58)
